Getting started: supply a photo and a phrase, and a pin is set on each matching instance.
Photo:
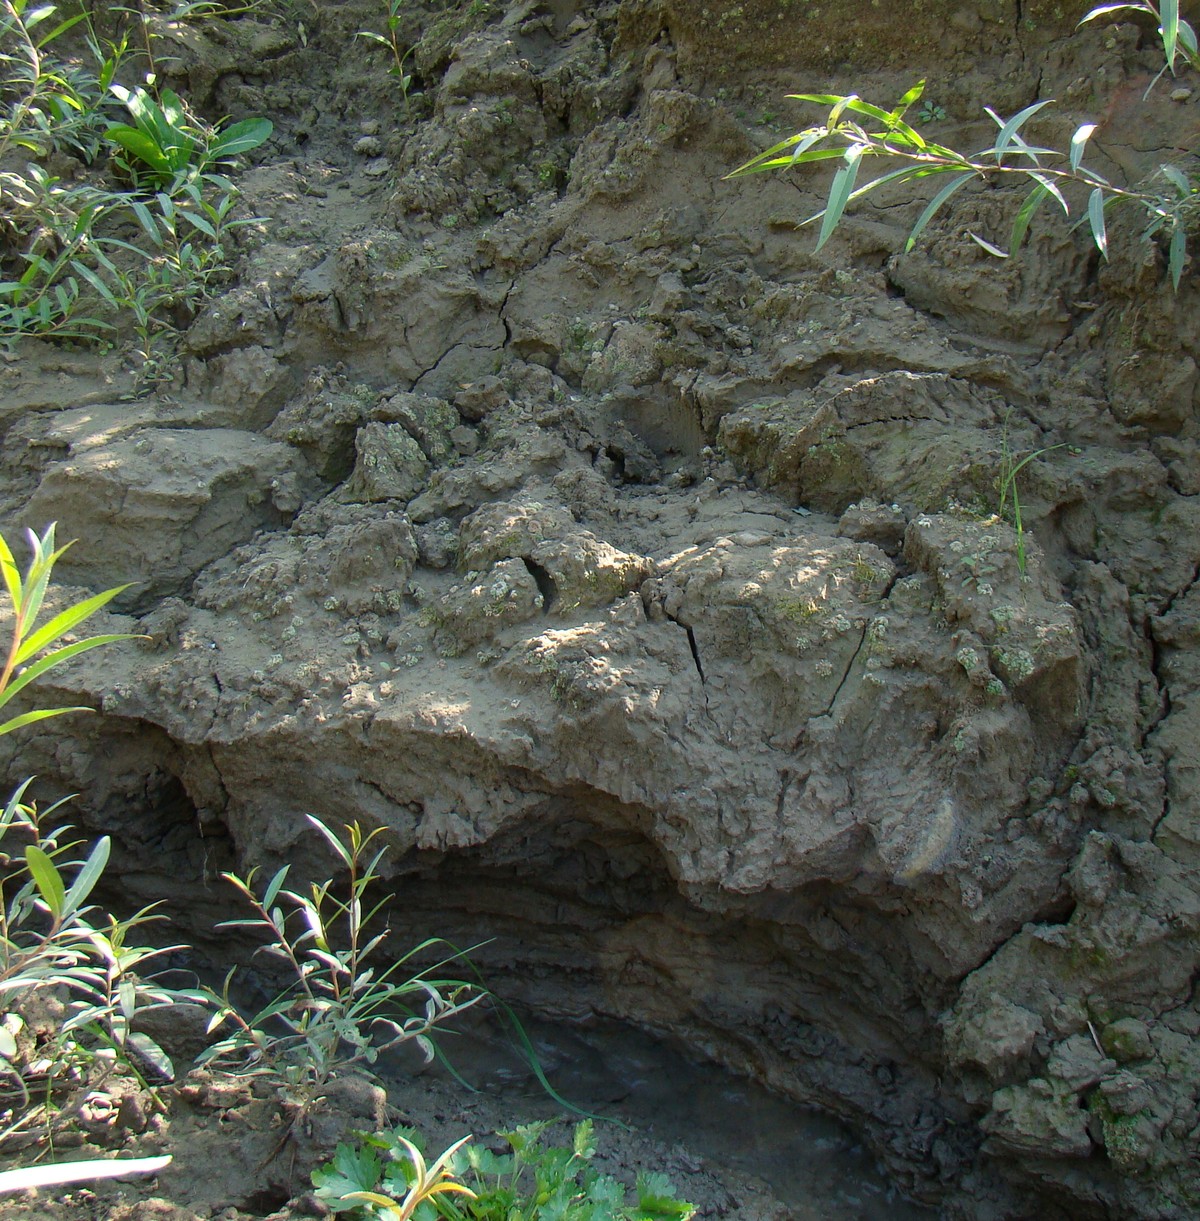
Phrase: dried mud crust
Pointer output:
(540, 496)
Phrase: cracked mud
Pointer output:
(540, 496)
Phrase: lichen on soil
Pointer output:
(539, 495)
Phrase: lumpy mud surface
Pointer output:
(540, 495)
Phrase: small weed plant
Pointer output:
(386, 1179)
(342, 1008)
(1010, 498)
(168, 147)
(391, 39)
(856, 132)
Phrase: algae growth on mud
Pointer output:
(540, 496)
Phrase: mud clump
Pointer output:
(539, 496)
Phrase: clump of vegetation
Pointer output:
(340, 1012)
(386, 1178)
(143, 234)
(856, 131)
(59, 952)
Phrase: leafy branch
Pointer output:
(1171, 201)
(856, 131)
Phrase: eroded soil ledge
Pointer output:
(540, 496)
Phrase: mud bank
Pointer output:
(540, 496)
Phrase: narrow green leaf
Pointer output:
(839, 192)
(839, 108)
(274, 887)
(147, 221)
(1105, 9)
(1051, 188)
(38, 15)
(1178, 179)
(984, 244)
(88, 876)
(12, 574)
(806, 158)
(200, 223)
(335, 843)
(913, 95)
(1078, 142)
(64, 621)
(1176, 255)
(1169, 14)
(823, 99)
(1024, 215)
(934, 206)
(1096, 220)
(38, 577)
(774, 154)
(903, 136)
(1187, 40)
(809, 138)
(1009, 130)
(173, 111)
(61, 28)
(907, 173)
(31, 718)
(47, 879)
(152, 1054)
(858, 106)
(127, 999)
(97, 283)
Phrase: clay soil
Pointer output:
(538, 494)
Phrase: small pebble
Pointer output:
(368, 146)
